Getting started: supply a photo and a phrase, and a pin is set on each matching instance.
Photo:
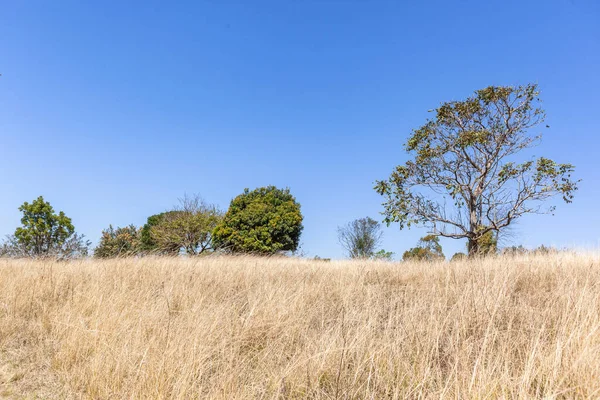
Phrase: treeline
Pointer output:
(362, 238)
(264, 221)
(461, 180)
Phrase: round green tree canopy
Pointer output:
(266, 220)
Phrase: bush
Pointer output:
(487, 244)
(118, 242)
(458, 257)
(266, 220)
(428, 249)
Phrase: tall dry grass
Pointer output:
(239, 328)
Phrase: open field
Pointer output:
(238, 328)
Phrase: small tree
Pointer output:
(462, 182)
(120, 242)
(361, 237)
(189, 227)
(149, 244)
(45, 234)
(458, 256)
(428, 249)
(266, 220)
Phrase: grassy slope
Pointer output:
(284, 328)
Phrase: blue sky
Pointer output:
(114, 110)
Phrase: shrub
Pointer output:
(458, 256)
(118, 242)
(428, 249)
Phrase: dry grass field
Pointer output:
(243, 328)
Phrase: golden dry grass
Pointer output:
(240, 328)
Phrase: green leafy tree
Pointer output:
(462, 181)
(266, 220)
(188, 228)
(120, 242)
(428, 249)
(361, 237)
(45, 234)
(383, 255)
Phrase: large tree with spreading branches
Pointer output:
(464, 180)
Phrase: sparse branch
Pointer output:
(188, 227)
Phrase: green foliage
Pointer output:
(461, 176)
(148, 244)
(187, 228)
(428, 249)
(361, 237)
(44, 233)
(266, 220)
(383, 255)
(120, 242)
(42, 229)
(485, 244)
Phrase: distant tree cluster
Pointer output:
(520, 250)
(264, 221)
(186, 229)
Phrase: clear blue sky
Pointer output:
(113, 110)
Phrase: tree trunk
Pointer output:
(473, 247)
